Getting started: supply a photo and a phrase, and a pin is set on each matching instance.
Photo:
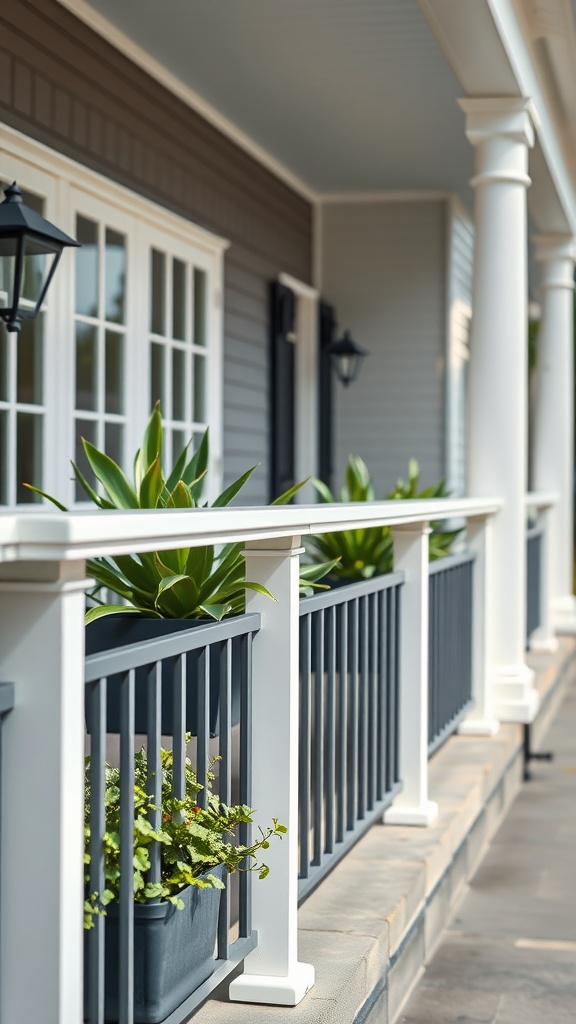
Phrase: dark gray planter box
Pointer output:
(120, 630)
(173, 953)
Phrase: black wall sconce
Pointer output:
(30, 250)
(346, 355)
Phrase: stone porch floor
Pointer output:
(377, 920)
(508, 955)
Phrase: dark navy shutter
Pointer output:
(283, 396)
(327, 327)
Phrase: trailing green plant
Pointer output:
(188, 583)
(367, 552)
(193, 839)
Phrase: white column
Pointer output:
(412, 806)
(272, 973)
(553, 464)
(42, 654)
(501, 132)
(481, 720)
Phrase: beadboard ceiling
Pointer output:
(348, 95)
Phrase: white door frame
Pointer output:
(306, 382)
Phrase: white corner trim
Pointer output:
(299, 287)
(385, 196)
(192, 99)
(459, 209)
(98, 185)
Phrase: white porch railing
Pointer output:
(42, 589)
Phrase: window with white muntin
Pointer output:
(179, 353)
(132, 317)
(100, 341)
(145, 331)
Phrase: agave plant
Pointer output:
(363, 553)
(188, 583)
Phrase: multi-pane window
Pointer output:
(100, 327)
(179, 367)
(132, 316)
(22, 408)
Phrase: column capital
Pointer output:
(513, 117)
(553, 247)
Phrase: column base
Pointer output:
(514, 698)
(276, 991)
(543, 644)
(479, 727)
(563, 614)
(423, 815)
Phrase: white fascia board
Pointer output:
(190, 97)
(385, 196)
(39, 536)
(514, 41)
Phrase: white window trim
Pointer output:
(306, 383)
(61, 180)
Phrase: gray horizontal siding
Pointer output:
(384, 270)
(65, 86)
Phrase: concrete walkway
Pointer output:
(509, 955)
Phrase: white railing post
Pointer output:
(272, 973)
(42, 654)
(412, 806)
(481, 720)
(543, 640)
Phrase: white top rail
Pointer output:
(40, 536)
(541, 500)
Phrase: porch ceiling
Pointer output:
(347, 96)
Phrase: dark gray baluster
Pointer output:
(459, 615)
(397, 606)
(451, 638)
(245, 924)
(373, 701)
(179, 729)
(432, 658)
(330, 759)
(225, 781)
(342, 737)
(318, 747)
(469, 592)
(352, 812)
(441, 659)
(97, 696)
(383, 684)
(364, 642)
(126, 939)
(391, 687)
(154, 783)
(305, 738)
(203, 738)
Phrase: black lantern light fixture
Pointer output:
(30, 249)
(347, 356)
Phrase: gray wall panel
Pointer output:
(384, 271)
(66, 86)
